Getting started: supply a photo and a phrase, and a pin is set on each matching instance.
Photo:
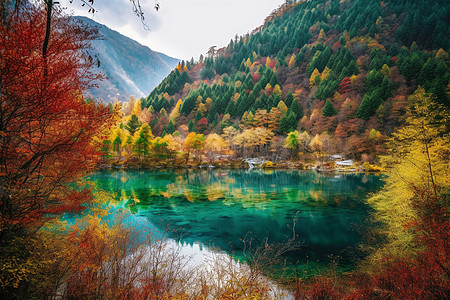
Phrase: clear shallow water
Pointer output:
(218, 208)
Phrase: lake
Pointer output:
(218, 208)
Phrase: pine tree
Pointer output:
(289, 99)
(288, 122)
(170, 128)
(297, 109)
(133, 124)
(329, 110)
(191, 126)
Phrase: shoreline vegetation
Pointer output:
(328, 166)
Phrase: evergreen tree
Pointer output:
(191, 126)
(170, 128)
(133, 124)
(289, 99)
(329, 110)
(198, 116)
(288, 122)
(297, 109)
(189, 103)
(369, 105)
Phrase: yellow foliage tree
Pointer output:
(193, 143)
(215, 145)
(322, 36)
(385, 70)
(282, 107)
(316, 145)
(291, 63)
(175, 114)
(276, 90)
(325, 73)
(312, 79)
(208, 103)
(202, 108)
(229, 133)
(248, 63)
(137, 109)
(418, 176)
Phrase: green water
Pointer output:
(218, 208)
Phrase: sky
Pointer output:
(181, 28)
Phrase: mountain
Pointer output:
(131, 68)
(339, 69)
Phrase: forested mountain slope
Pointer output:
(131, 68)
(342, 70)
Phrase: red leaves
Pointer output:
(344, 86)
(46, 125)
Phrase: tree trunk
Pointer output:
(49, 4)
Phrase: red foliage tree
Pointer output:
(344, 86)
(202, 125)
(46, 126)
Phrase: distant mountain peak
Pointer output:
(130, 68)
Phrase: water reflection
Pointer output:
(219, 208)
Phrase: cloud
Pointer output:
(181, 28)
(116, 14)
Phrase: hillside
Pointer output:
(130, 68)
(338, 70)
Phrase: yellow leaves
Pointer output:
(325, 73)
(291, 63)
(374, 134)
(316, 143)
(313, 78)
(215, 143)
(179, 67)
(137, 109)
(203, 109)
(385, 70)
(268, 61)
(322, 36)
(253, 137)
(418, 164)
(282, 107)
(276, 90)
(442, 55)
(175, 114)
(248, 63)
(236, 96)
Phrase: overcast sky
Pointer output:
(181, 28)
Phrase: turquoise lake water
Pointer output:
(219, 208)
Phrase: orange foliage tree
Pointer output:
(46, 126)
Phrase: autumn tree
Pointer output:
(193, 143)
(214, 146)
(133, 124)
(46, 129)
(292, 142)
(229, 133)
(413, 205)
